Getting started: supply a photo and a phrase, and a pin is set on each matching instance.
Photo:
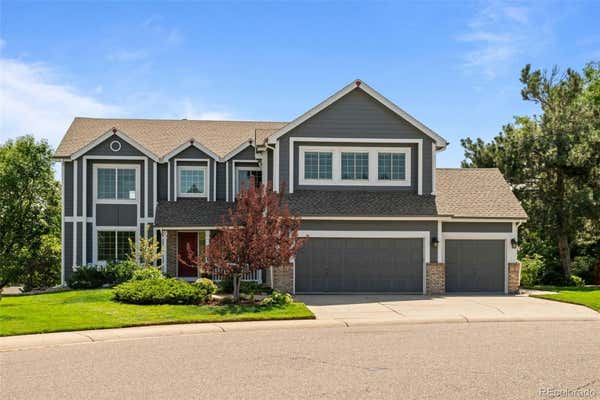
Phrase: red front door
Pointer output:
(184, 239)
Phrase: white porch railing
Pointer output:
(255, 276)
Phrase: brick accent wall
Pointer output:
(436, 278)
(172, 253)
(283, 278)
(514, 277)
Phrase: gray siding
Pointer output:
(221, 185)
(191, 153)
(116, 215)
(477, 227)
(79, 248)
(325, 225)
(162, 172)
(246, 154)
(68, 249)
(80, 187)
(103, 149)
(357, 115)
(414, 158)
(270, 166)
(90, 244)
(68, 184)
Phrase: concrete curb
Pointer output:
(44, 340)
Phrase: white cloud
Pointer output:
(191, 112)
(32, 102)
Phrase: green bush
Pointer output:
(87, 277)
(583, 266)
(577, 281)
(206, 285)
(246, 287)
(120, 272)
(42, 267)
(277, 299)
(530, 270)
(159, 291)
(148, 273)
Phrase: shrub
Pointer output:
(87, 277)
(530, 270)
(206, 285)
(120, 272)
(148, 273)
(577, 281)
(42, 270)
(583, 266)
(277, 299)
(246, 287)
(159, 291)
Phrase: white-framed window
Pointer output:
(113, 244)
(192, 181)
(318, 165)
(116, 183)
(243, 174)
(391, 166)
(354, 166)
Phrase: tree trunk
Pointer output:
(237, 279)
(564, 254)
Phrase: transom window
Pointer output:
(318, 165)
(114, 245)
(391, 166)
(116, 183)
(192, 181)
(355, 166)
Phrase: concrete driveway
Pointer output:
(357, 309)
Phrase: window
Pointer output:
(244, 174)
(116, 183)
(317, 165)
(355, 166)
(391, 166)
(114, 245)
(192, 181)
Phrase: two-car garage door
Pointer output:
(360, 265)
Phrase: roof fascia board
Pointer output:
(185, 145)
(440, 141)
(120, 134)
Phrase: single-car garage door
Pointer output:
(475, 265)
(360, 265)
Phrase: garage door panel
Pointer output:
(475, 265)
(360, 265)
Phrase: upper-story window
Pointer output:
(355, 166)
(244, 174)
(116, 183)
(192, 181)
(318, 165)
(391, 166)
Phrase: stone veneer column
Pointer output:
(436, 278)
(283, 278)
(514, 277)
(172, 253)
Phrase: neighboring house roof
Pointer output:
(160, 136)
(360, 85)
(475, 193)
(460, 193)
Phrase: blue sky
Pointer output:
(453, 65)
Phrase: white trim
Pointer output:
(506, 237)
(237, 150)
(164, 239)
(118, 146)
(236, 177)
(441, 142)
(379, 235)
(134, 229)
(433, 167)
(137, 199)
(336, 178)
(202, 168)
(84, 214)
(122, 135)
(74, 214)
(146, 173)
(214, 194)
(361, 218)
(440, 245)
(265, 168)
(227, 181)
(154, 188)
(185, 145)
(276, 169)
(187, 228)
(62, 225)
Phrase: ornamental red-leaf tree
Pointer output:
(258, 233)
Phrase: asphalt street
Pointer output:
(506, 360)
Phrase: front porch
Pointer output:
(179, 241)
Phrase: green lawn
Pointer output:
(587, 296)
(94, 309)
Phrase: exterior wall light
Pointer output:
(434, 242)
(513, 243)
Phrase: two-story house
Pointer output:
(359, 170)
